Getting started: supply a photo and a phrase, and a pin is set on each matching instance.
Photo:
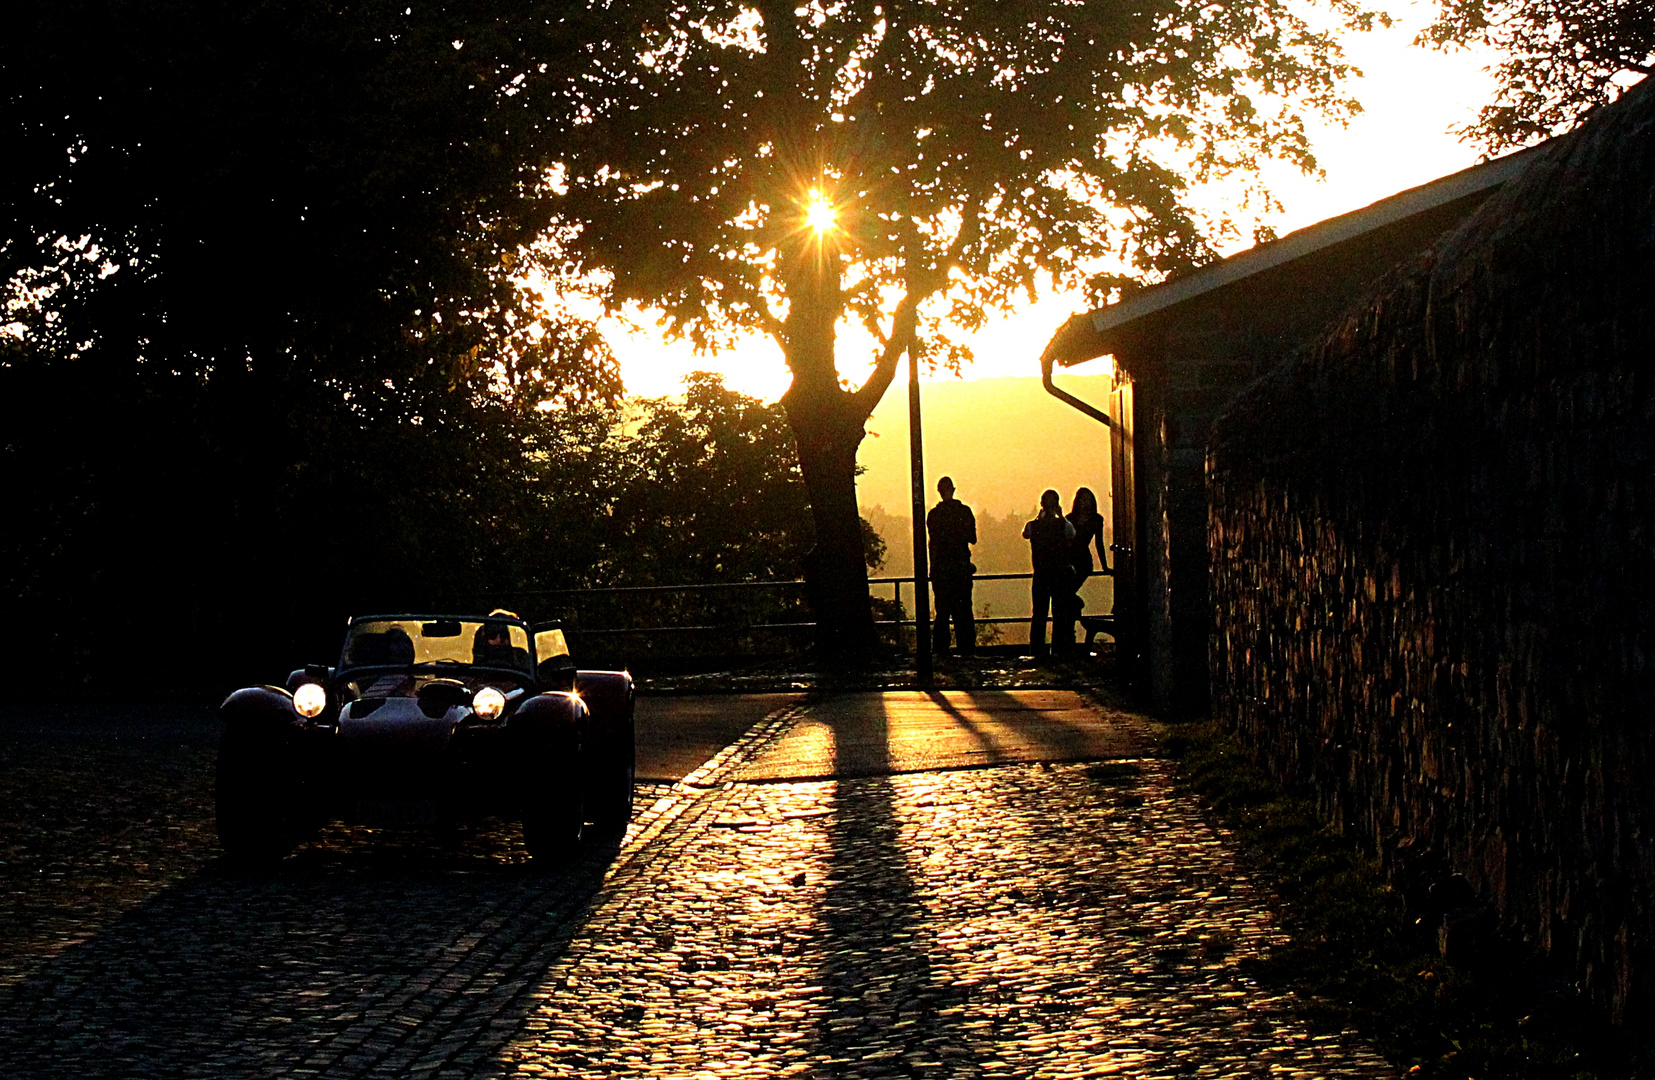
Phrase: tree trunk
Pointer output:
(827, 434)
(827, 422)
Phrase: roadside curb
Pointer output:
(713, 777)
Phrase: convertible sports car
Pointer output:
(429, 720)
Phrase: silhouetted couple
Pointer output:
(1061, 550)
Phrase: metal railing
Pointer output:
(896, 584)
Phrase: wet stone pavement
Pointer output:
(1024, 920)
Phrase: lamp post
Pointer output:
(916, 469)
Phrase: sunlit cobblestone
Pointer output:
(1023, 921)
(1019, 922)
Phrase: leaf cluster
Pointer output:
(970, 151)
(1559, 59)
(266, 331)
(320, 193)
(707, 489)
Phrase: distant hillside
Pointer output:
(1004, 441)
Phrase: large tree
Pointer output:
(788, 168)
(265, 343)
(1558, 59)
(265, 335)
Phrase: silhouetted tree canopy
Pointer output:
(969, 152)
(331, 193)
(1559, 59)
(705, 488)
(266, 343)
(269, 333)
(709, 490)
(687, 491)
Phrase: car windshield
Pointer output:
(408, 642)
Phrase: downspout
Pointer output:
(1047, 360)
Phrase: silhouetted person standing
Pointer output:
(952, 529)
(1050, 537)
(1088, 525)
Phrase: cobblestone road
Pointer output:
(1025, 920)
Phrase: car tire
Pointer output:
(249, 804)
(552, 830)
(612, 807)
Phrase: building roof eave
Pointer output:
(1092, 334)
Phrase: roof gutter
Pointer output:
(1095, 333)
(1047, 360)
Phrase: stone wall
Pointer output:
(1187, 362)
(1432, 543)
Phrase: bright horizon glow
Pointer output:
(1412, 97)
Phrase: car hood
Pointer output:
(399, 724)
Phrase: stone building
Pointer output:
(1432, 537)
(1183, 350)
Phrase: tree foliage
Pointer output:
(1559, 59)
(708, 490)
(968, 151)
(699, 490)
(266, 342)
(337, 192)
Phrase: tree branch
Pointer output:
(781, 45)
(884, 370)
(745, 292)
(905, 322)
(870, 322)
(971, 229)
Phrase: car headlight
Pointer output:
(310, 699)
(489, 703)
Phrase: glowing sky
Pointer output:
(1411, 96)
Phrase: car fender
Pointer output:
(260, 709)
(556, 717)
(610, 695)
(613, 748)
(267, 768)
(263, 730)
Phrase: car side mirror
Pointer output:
(557, 673)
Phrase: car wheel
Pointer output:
(552, 830)
(612, 811)
(249, 806)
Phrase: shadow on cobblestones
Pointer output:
(1063, 740)
(887, 1013)
(1041, 920)
(350, 959)
(983, 737)
(100, 809)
